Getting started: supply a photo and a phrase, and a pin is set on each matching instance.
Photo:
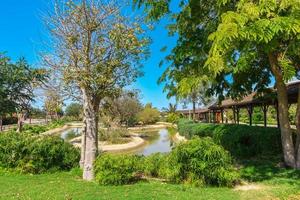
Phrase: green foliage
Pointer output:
(123, 109)
(239, 140)
(17, 81)
(9, 120)
(148, 115)
(74, 110)
(117, 169)
(153, 164)
(31, 154)
(37, 129)
(37, 113)
(114, 135)
(173, 118)
(200, 162)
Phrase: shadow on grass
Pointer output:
(264, 169)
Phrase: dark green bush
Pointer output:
(36, 154)
(240, 140)
(9, 120)
(117, 169)
(200, 162)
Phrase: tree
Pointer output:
(98, 50)
(148, 115)
(74, 110)
(123, 109)
(261, 38)
(172, 108)
(240, 46)
(18, 81)
(53, 102)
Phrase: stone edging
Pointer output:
(63, 128)
(180, 138)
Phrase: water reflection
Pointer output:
(157, 141)
(161, 144)
(71, 133)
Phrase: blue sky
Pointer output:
(23, 34)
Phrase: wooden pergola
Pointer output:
(215, 112)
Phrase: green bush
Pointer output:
(200, 162)
(117, 169)
(30, 154)
(240, 140)
(152, 164)
(37, 129)
(173, 118)
(9, 120)
(148, 115)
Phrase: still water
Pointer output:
(157, 141)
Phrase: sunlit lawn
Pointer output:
(269, 182)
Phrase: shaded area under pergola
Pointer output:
(215, 112)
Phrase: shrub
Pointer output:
(9, 120)
(173, 118)
(152, 164)
(36, 154)
(148, 115)
(200, 162)
(240, 140)
(114, 135)
(117, 169)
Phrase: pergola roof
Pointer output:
(269, 98)
(253, 99)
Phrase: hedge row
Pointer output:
(239, 140)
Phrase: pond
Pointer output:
(70, 133)
(160, 142)
(157, 141)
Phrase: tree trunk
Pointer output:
(194, 110)
(96, 103)
(286, 134)
(83, 140)
(91, 135)
(297, 121)
(20, 122)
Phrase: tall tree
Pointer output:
(18, 81)
(98, 49)
(53, 102)
(261, 38)
(240, 46)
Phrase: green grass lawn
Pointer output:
(266, 181)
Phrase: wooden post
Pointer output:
(265, 110)
(250, 111)
(238, 115)
(234, 117)
(222, 115)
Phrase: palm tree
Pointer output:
(172, 108)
